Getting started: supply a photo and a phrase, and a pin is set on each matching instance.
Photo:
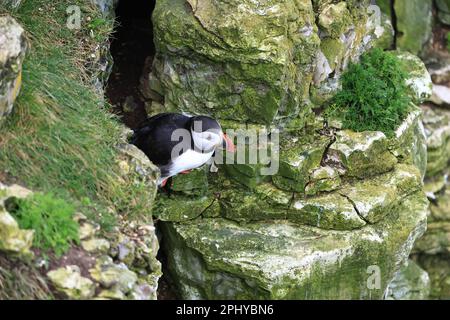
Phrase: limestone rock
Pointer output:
(219, 259)
(436, 240)
(299, 157)
(439, 67)
(437, 128)
(410, 283)
(323, 179)
(107, 7)
(96, 245)
(138, 169)
(126, 250)
(14, 4)
(365, 154)
(441, 95)
(115, 276)
(362, 154)
(438, 268)
(69, 281)
(87, 231)
(12, 238)
(13, 46)
(253, 62)
(443, 7)
(419, 80)
(385, 32)
(414, 24)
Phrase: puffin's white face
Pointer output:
(207, 141)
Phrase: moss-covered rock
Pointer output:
(13, 240)
(13, 46)
(362, 154)
(219, 259)
(238, 60)
(438, 140)
(438, 269)
(70, 282)
(419, 80)
(443, 7)
(410, 283)
(414, 24)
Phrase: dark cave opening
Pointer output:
(132, 49)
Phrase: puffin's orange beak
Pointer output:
(229, 145)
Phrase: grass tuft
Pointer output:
(51, 219)
(374, 95)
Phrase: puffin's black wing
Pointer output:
(154, 136)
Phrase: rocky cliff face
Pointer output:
(341, 203)
(331, 214)
(13, 46)
(415, 21)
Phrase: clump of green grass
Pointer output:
(51, 219)
(374, 95)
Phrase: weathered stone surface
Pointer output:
(87, 231)
(419, 80)
(219, 259)
(299, 157)
(13, 240)
(436, 240)
(250, 61)
(414, 24)
(14, 4)
(113, 276)
(437, 128)
(13, 46)
(438, 268)
(443, 7)
(410, 283)
(410, 142)
(366, 154)
(136, 168)
(438, 65)
(106, 7)
(374, 199)
(216, 44)
(441, 95)
(384, 32)
(193, 183)
(362, 154)
(96, 245)
(145, 290)
(69, 281)
(323, 179)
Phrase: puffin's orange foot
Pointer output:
(185, 172)
(163, 184)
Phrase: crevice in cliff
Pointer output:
(356, 208)
(133, 50)
(394, 23)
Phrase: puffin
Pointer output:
(177, 143)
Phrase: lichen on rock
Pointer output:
(13, 46)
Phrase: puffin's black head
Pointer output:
(207, 134)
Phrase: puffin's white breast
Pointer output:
(189, 160)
